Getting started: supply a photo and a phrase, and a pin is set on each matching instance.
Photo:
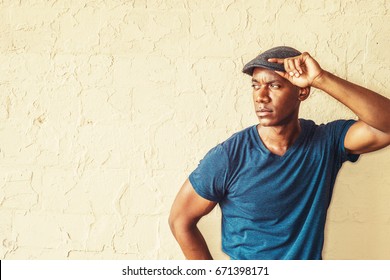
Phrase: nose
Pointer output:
(262, 96)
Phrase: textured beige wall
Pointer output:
(106, 106)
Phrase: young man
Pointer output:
(274, 181)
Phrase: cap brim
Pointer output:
(261, 61)
(250, 66)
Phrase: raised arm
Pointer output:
(372, 131)
(186, 211)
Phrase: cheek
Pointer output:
(286, 100)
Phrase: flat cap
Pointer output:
(262, 59)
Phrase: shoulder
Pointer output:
(336, 129)
(227, 148)
(330, 135)
(239, 139)
(232, 147)
(336, 126)
(241, 134)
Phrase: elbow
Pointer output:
(175, 223)
(172, 222)
(180, 224)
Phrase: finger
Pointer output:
(289, 66)
(298, 63)
(276, 60)
(305, 55)
(295, 66)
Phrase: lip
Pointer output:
(264, 112)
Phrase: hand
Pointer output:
(302, 71)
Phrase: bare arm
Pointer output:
(187, 209)
(372, 131)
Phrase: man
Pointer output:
(274, 181)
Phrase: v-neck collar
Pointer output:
(290, 150)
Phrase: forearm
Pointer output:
(370, 107)
(191, 242)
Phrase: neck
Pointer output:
(278, 139)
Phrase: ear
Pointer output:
(303, 93)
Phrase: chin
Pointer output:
(266, 122)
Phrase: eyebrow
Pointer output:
(268, 82)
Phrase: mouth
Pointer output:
(263, 112)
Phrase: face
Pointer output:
(276, 100)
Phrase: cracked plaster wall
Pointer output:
(106, 106)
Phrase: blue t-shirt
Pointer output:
(274, 207)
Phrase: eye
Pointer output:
(274, 86)
(255, 87)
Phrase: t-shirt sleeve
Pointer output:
(209, 179)
(338, 130)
